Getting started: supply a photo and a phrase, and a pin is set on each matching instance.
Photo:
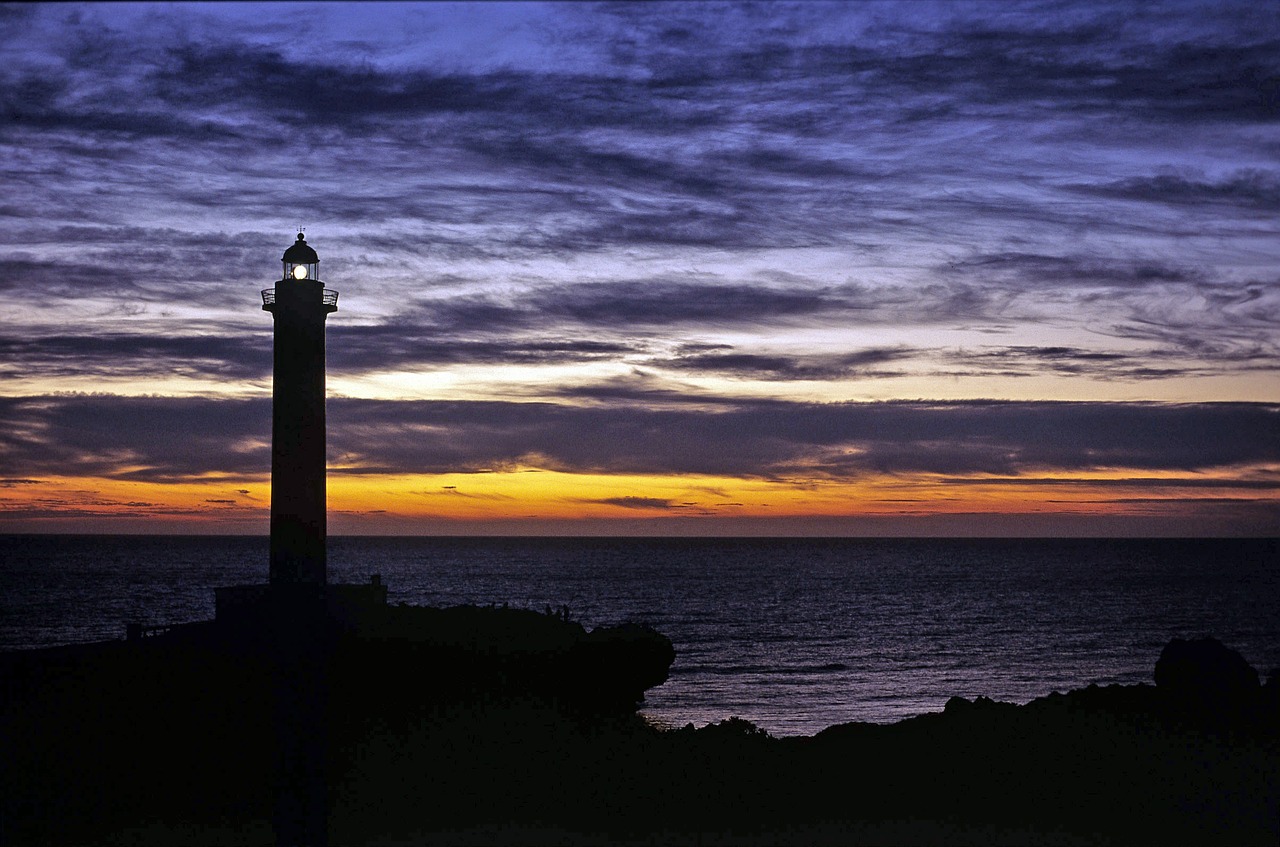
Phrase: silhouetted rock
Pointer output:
(1209, 684)
(216, 721)
(1204, 667)
(984, 706)
(475, 726)
(730, 731)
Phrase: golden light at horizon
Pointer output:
(529, 494)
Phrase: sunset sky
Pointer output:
(692, 268)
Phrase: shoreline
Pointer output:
(500, 726)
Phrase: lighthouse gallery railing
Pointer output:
(330, 297)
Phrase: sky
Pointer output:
(818, 268)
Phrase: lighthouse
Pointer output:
(298, 588)
(299, 305)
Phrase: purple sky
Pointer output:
(1032, 245)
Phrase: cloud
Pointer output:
(1153, 482)
(117, 354)
(1023, 271)
(690, 189)
(1212, 322)
(622, 319)
(719, 137)
(779, 439)
(638, 503)
(1148, 364)
(725, 361)
(1249, 188)
(1029, 58)
(402, 344)
(1076, 71)
(136, 268)
(663, 302)
(623, 306)
(1227, 324)
(452, 491)
(153, 439)
(1270, 504)
(169, 439)
(640, 388)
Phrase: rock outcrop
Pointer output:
(476, 726)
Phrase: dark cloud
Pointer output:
(635, 180)
(642, 388)
(136, 267)
(1078, 70)
(726, 361)
(1233, 324)
(1150, 482)
(452, 491)
(1029, 61)
(1148, 364)
(638, 503)
(406, 345)
(1270, 505)
(322, 93)
(141, 438)
(664, 302)
(625, 304)
(53, 278)
(1028, 271)
(65, 509)
(1202, 323)
(169, 438)
(437, 335)
(1245, 189)
(114, 354)
(708, 146)
(780, 439)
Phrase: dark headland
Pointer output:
(404, 726)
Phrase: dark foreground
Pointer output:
(479, 726)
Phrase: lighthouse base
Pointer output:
(343, 604)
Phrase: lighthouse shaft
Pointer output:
(299, 308)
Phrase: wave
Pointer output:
(739, 670)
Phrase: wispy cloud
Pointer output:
(642, 503)
(1247, 188)
(675, 202)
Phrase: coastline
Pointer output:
(902, 625)
(470, 732)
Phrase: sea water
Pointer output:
(792, 634)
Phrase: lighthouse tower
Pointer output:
(299, 305)
(298, 597)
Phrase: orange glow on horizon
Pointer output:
(411, 503)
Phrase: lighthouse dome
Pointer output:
(300, 253)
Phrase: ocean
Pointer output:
(792, 634)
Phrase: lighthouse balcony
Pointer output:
(329, 299)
